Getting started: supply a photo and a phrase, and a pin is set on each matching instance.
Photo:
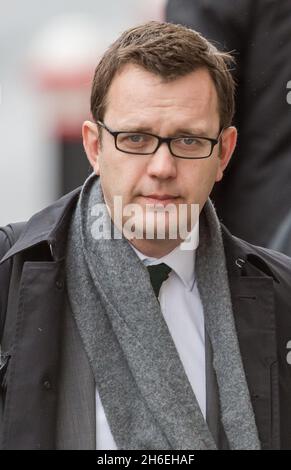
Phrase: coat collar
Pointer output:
(47, 226)
(244, 259)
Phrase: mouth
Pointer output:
(160, 199)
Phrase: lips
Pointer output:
(160, 199)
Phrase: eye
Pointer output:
(190, 141)
(135, 138)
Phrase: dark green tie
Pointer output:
(158, 274)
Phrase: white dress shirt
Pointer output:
(182, 309)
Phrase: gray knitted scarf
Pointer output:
(146, 395)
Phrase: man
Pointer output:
(119, 334)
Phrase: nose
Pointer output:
(162, 164)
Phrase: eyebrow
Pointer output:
(182, 131)
(179, 131)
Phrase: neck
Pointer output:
(155, 248)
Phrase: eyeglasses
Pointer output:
(143, 143)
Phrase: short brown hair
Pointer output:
(170, 51)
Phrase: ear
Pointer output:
(91, 142)
(228, 143)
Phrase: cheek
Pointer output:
(200, 181)
(120, 176)
(109, 177)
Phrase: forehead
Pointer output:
(143, 97)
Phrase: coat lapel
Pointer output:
(252, 292)
(33, 344)
(50, 398)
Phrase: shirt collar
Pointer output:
(182, 261)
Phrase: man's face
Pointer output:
(139, 100)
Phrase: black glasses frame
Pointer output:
(161, 140)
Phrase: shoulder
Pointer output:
(5, 270)
(4, 242)
(45, 229)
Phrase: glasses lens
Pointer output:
(136, 143)
(191, 147)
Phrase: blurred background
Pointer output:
(48, 53)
